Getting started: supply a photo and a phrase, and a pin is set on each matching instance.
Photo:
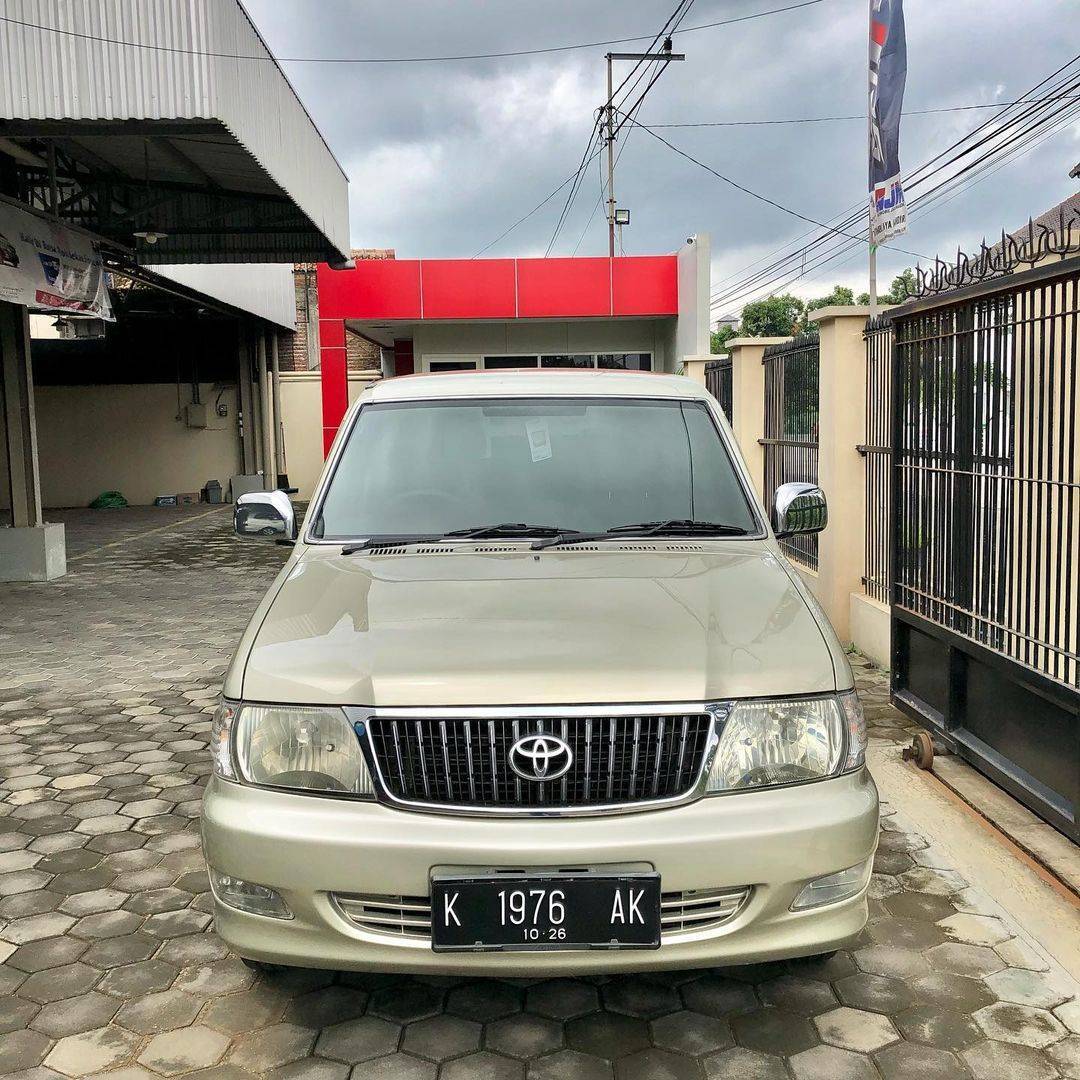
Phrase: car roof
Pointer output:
(559, 382)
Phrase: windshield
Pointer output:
(587, 464)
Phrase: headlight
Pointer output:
(765, 743)
(306, 748)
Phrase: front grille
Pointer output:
(618, 760)
(687, 912)
(699, 909)
(401, 916)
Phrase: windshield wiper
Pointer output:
(669, 527)
(475, 532)
(507, 528)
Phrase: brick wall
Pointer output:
(294, 354)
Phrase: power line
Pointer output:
(827, 119)
(749, 191)
(395, 59)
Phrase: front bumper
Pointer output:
(307, 847)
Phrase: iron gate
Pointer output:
(718, 383)
(986, 528)
(791, 428)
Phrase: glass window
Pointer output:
(631, 361)
(565, 361)
(452, 365)
(580, 463)
(497, 363)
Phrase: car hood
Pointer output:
(518, 628)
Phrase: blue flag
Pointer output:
(888, 74)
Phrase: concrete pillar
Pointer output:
(694, 367)
(279, 427)
(841, 470)
(267, 415)
(748, 401)
(247, 407)
(692, 326)
(30, 550)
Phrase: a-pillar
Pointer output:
(333, 370)
(30, 550)
(841, 469)
(748, 402)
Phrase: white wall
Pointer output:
(127, 438)
(695, 284)
(526, 336)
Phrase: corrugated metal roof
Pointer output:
(163, 75)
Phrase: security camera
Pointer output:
(689, 239)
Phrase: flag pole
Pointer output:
(871, 246)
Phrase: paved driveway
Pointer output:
(111, 966)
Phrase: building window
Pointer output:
(563, 361)
(452, 365)
(504, 363)
(637, 361)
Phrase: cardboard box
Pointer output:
(188, 498)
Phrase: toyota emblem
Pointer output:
(541, 757)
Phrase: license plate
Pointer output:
(545, 912)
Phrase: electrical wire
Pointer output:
(394, 59)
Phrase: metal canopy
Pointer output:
(168, 118)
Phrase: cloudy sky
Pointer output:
(443, 157)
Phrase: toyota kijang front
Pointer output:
(537, 688)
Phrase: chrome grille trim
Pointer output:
(682, 914)
(618, 749)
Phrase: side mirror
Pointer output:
(799, 508)
(265, 515)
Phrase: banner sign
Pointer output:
(888, 74)
(50, 268)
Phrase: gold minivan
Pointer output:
(537, 691)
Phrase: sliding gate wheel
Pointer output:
(921, 750)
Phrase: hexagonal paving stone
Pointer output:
(639, 996)
(947, 1029)
(323, 1007)
(975, 929)
(16, 1013)
(391, 1067)
(607, 1035)
(1029, 987)
(441, 1037)
(831, 1063)
(92, 1051)
(184, 1050)
(906, 933)
(312, 1068)
(854, 1029)
(408, 1001)
(826, 968)
(718, 995)
(523, 1035)
(1020, 1024)
(58, 983)
(133, 980)
(876, 993)
(948, 991)
(913, 1061)
(1069, 1015)
(482, 1066)
(893, 961)
(994, 1060)
(156, 1013)
(1066, 1056)
(773, 1031)
(798, 994)
(561, 999)
(74, 1015)
(691, 1033)
(117, 951)
(46, 953)
(569, 1065)
(23, 1049)
(913, 905)
(975, 961)
(358, 1040)
(654, 1064)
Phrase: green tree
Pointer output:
(902, 287)
(719, 338)
(775, 316)
(841, 295)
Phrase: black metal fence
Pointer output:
(791, 428)
(718, 383)
(986, 527)
(877, 456)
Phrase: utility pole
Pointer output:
(666, 55)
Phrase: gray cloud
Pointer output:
(442, 157)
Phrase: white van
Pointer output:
(536, 691)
